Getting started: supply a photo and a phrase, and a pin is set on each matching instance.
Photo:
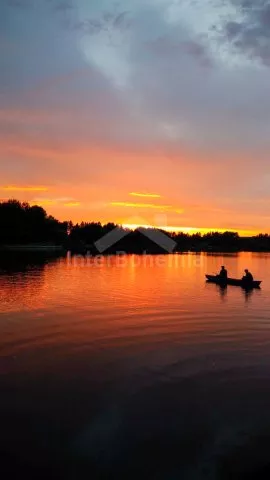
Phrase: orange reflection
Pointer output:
(119, 301)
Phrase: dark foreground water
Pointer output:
(134, 368)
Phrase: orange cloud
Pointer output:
(72, 204)
(15, 188)
(150, 195)
(146, 206)
(61, 201)
(43, 203)
(140, 205)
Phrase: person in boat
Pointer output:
(223, 274)
(248, 277)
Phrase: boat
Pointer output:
(233, 281)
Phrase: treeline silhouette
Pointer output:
(22, 224)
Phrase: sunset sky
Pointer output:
(151, 112)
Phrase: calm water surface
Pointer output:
(134, 367)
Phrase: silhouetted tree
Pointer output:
(21, 224)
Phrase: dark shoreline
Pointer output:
(62, 250)
(26, 228)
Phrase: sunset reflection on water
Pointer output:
(107, 354)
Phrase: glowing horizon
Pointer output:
(191, 230)
(63, 208)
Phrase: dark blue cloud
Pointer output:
(251, 33)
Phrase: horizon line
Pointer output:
(166, 228)
(194, 230)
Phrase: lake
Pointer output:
(134, 367)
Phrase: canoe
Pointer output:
(233, 281)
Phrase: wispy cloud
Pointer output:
(44, 202)
(147, 206)
(61, 201)
(72, 204)
(150, 195)
(141, 205)
(18, 188)
(63, 6)
(173, 47)
(106, 22)
(19, 3)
